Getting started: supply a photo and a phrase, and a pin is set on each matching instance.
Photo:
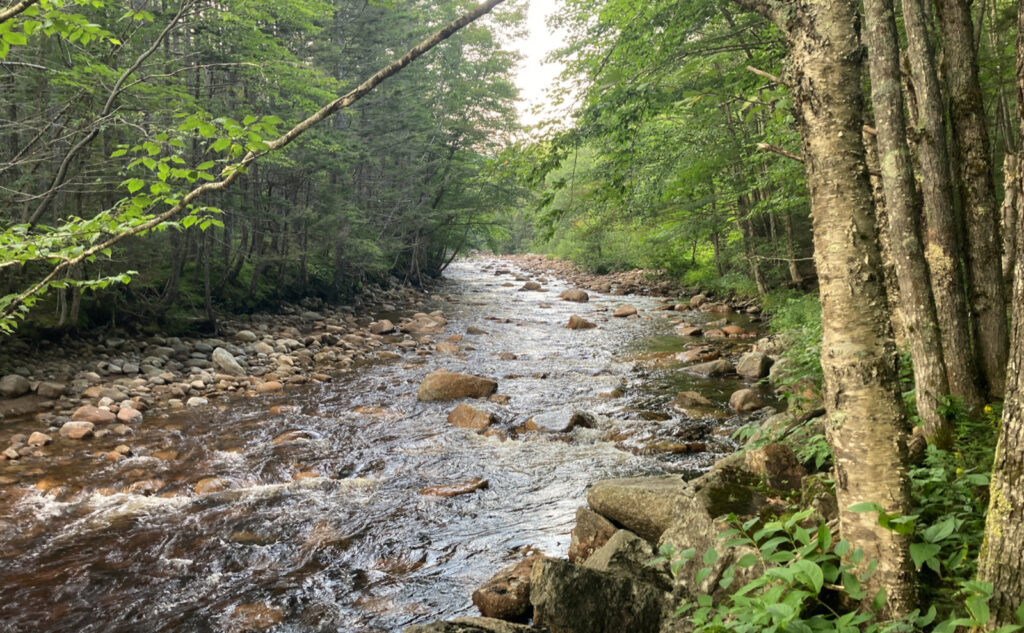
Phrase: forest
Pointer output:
(852, 168)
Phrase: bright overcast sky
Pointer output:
(534, 77)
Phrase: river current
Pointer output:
(329, 531)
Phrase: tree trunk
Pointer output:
(942, 244)
(865, 422)
(999, 560)
(981, 214)
(791, 254)
(1009, 214)
(903, 209)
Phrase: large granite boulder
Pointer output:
(568, 598)
(643, 505)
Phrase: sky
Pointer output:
(534, 76)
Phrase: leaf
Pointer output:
(977, 607)
(812, 573)
(134, 185)
(921, 552)
(866, 506)
(878, 602)
(710, 556)
(747, 560)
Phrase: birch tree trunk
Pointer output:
(865, 423)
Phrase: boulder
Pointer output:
(643, 505)
(446, 385)
(13, 385)
(196, 401)
(697, 301)
(466, 416)
(726, 489)
(560, 421)
(689, 330)
(754, 365)
(39, 439)
(712, 368)
(506, 596)
(129, 415)
(575, 295)
(579, 323)
(77, 430)
(626, 554)
(590, 532)
(95, 415)
(424, 324)
(475, 331)
(701, 354)
(51, 390)
(624, 311)
(733, 330)
(745, 401)
(777, 465)
(226, 363)
(717, 308)
(531, 285)
(383, 326)
(246, 336)
(567, 598)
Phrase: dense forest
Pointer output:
(854, 166)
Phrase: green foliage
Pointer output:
(805, 580)
(796, 319)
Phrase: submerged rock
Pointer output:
(579, 323)
(455, 490)
(469, 417)
(506, 596)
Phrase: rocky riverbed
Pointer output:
(293, 459)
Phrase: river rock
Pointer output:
(129, 415)
(39, 439)
(424, 324)
(579, 323)
(208, 485)
(643, 505)
(256, 616)
(531, 285)
(469, 417)
(689, 400)
(472, 625)
(624, 311)
(754, 365)
(226, 363)
(574, 294)
(196, 401)
(444, 347)
(689, 330)
(77, 430)
(560, 421)
(697, 301)
(263, 348)
(506, 596)
(269, 386)
(13, 385)
(733, 330)
(384, 326)
(475, 331)
(745, 401)
(446, 385)
(701, 354)
(51, 390)
(454, 490)
(588, 535)
(246, 336)
(95, 415)
(713, 368)
(629, 555)
(778, 465)
(570, 599)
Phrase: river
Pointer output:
(329, 531)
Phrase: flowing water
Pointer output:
(328, 531)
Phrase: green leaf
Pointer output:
(921, 552)
(15, 39)
(134, 185)
(710, 556)
(811, 573)
(977, 607)
(878, 602)
(866, 506)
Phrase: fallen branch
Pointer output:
(234, 170)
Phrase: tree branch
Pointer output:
(18, 7)
(234, 170)
(766, 75)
